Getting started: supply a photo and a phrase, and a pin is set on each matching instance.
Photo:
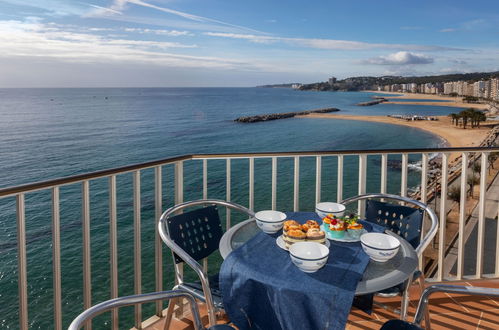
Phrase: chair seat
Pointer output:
(399, 288)
(214, 287)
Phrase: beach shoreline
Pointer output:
(449, 100)
(443, 127)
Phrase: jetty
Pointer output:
(275, 116)
(373, 102)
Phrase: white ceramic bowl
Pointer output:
(323, 209)
(380, 247)
(270, 221)
(309, 256)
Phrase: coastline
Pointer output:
(450, 101)
(455, 136)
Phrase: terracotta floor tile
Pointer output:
(364, 325)
(454, 321)
(445, 306)
(491, 316)
(488, 326)
(475, 303)
(358, 315)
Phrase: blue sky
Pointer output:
(101, 43)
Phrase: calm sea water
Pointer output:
(50, 133)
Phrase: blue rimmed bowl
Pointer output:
(379, 247)
(309, 257)
(270, 221)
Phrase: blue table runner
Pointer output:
(263, 289)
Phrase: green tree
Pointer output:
(472, 182)
(455, 194)
(493, 156)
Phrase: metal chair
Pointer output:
(193, 236)
(93, 311)
(423, 303)
(404, 221)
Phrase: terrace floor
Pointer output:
(447, 311)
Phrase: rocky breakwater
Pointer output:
(275, 116)
(373, 102)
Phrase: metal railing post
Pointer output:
(113, 248)
(403, 176)
(274, 183)
(137, 247)
(21, 262)
(481, 215)
(362, 183)
(158, 243)
(318, 177)
(339, 186)
(296, 189)
(228, 183)
(87, 274)
(251, 184)
(443, 216)
(56, 258)
(462, 215)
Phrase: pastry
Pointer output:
(289, 223)
(337, 228)
(309, 225)
(316, 235)
(354, 228)
(293, 236)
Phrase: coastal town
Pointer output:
(482, 89)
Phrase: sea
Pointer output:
(52, 133)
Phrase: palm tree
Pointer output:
(455, 118)
(480, 117)
(464, 116)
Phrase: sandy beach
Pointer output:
(455, 136)
(451, 101)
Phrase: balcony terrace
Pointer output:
(465, 250)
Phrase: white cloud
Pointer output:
(448, 30)
(401, 58)
(171, 33)
(329, 44)
(26, 39)
(120, 6)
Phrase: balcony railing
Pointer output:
(286, 181)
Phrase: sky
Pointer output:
(238, 43)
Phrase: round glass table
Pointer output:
(377, 276)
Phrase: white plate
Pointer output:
(346, 238)
(280, 243)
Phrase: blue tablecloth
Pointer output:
(263, 289)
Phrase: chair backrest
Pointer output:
(407, 222)
(197, 232)
(430, 214)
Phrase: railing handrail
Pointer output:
(10, 191)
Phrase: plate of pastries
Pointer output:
(343, 229)
(294, 232)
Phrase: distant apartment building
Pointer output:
(332, 81)
(494, 89)
(296, 86)
(479, 89)
(449, 88)
(488, 89)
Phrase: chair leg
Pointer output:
(404, 305)
(427, 322)
(169, 313)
